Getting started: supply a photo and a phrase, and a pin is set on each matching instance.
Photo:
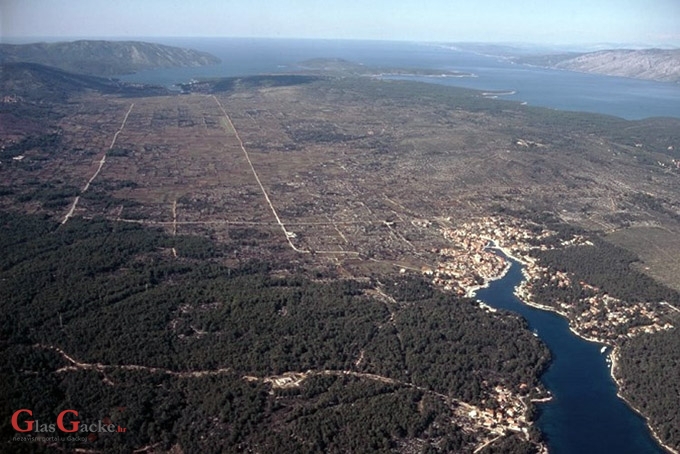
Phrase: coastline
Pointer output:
(617, 381)
(612, 355)
(471, 292)
(505, 251)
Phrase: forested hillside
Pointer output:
(101, 318)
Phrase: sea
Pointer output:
(631, 99)
(586, 415)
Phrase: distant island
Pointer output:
(651, 64)
(342, 67)
(105, 58)
(662, 65)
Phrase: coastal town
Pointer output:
(471, 262)
(600, 317)
(505, 412)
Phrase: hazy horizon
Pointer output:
(563, 23)
(522, 45)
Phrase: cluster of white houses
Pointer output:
(469, 264)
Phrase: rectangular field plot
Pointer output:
(181, 151)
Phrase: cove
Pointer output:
(585, 414)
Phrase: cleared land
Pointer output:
(658, 248)
(349, 168)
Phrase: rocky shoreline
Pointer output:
(619, 390)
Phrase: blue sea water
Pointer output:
(586, 415)
(623, 97)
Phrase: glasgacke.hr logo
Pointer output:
(23, 422)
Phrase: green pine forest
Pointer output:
(111, 294)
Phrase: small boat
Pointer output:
(603, 349)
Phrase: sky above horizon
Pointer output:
(645, 22)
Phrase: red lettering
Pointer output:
(60, 421)
(15, 421)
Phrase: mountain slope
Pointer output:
(650, 64)
(40, 83)
(653, 64)
(105, 58)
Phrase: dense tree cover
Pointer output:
(47, 143)
(608, 267)
(465, 348)
(650, 367)
(49, 195)
(228, 414)
(410, 288)
(45, 84)
(111, 293)
(353, 416)
(101, 199)
(656, 205)
(513, 443)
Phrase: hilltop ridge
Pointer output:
(36, 83)
(105, 58)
